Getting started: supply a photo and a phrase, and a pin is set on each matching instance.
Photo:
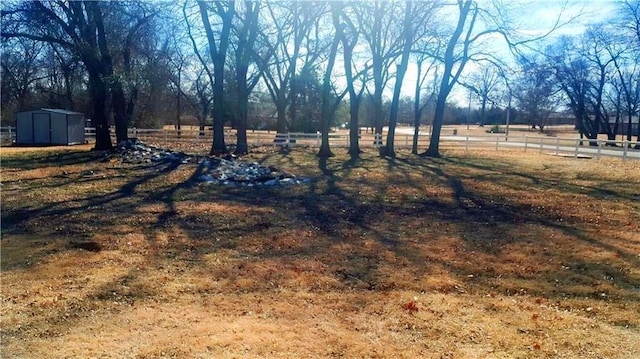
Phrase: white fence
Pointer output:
(574, 147)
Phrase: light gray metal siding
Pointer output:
(24, 127)
(41, 128)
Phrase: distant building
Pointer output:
(561, 118)
(624, 123)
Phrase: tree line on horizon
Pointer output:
(304, 64)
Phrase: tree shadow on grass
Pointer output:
(470, 213)
(120, 200)
(332, 208)
(64, 157)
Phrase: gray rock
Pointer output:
(270, 183)
(287, 181)
(227, 171)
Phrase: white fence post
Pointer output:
(577, 146)
(526, 143)
(541, 140)
(625, 145)
(557, 145)
(497, 141)
(599, 149)
(466, 144)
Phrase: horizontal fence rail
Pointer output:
(570, 147)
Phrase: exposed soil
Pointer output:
(479, 254)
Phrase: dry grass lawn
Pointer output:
(474, 255)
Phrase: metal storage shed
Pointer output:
(49, 126)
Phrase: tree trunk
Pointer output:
(327, 108)
(449, 79)
(281, 108)
(67, 84)
(434, 142)
(100, 119)
(218, 55)
(630, 126)
(483, 111)
(245, 43)
(242, 148)
(105, 64)
(354, 126)
(354, 98)
(293, 105)
(378, 122)
(416, 135)
(179, 103)
(131, 104)
(417, 113)
(402, 69)
(218, 147)
(204, 103)
(119, 114)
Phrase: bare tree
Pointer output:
(202, 88)
(382, 31)
(132, 45)
(280, 52)
(246, 32)
(350, 34)
(330, 103)
(178, 59)
(573, 75)
(582, 70)
(467, 16)
(535, 91)
(20, 61)
(80, 28)
(630, 16)
(484, 83)
(64, 76)
(464, 44)
(225, 11)
(415, 16)
(328, 108)
(627, 65)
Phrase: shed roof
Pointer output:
(54, 110)
(64, 112)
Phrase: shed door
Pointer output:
(59, 129)
(41, 128)
(24, 130)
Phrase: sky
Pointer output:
(531, 19)
(543, 14)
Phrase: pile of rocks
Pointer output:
(236, 173)
(134, 151)
(227, 171)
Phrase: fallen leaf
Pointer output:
(412, 306)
